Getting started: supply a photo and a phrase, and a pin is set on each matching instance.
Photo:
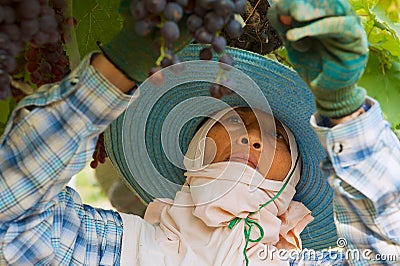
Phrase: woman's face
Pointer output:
(244, 135)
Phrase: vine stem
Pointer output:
(162, 44)
(282, 59)
(252, 11)
(162, 52)
(220, 75)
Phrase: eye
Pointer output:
(279, 136)
(234, 119)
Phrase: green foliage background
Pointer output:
(381, 20)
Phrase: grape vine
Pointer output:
(26, 25)
(205, 19)
(382, 76)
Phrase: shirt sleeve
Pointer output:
(363, 167)
(50, 137)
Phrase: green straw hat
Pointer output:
(148, 142)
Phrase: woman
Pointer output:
(281, 147)
(51, 136)
(238, 167)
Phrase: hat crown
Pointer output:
(152, 165)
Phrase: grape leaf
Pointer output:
(383, 87)
(383, 16)
(97, 20)
(362, 7)
(6, 107)
(383, 33)
(4, 110)
(382, 75)
(383, 39)
(392, 8)
(2, 128)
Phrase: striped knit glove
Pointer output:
(328, 47)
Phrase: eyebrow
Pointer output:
(244, 110)
(279, 124)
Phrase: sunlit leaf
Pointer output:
(384, 88)
(383, 33)
(392, 8)
(384, 40)
(362, 7)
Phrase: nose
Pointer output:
(252, 138)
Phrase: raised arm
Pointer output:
(50, 136)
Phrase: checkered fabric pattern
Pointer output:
(364, 169)
(51, 137)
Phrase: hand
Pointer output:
(328, 47)
(135, 55)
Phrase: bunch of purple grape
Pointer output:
(205, 19)
(99, 155)
(49, 63)
(46, 64)
(64, 23)
(23, 21)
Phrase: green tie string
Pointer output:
(250, 223)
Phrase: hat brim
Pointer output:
(152, 166)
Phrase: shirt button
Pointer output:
(337, 148)
(74, 81)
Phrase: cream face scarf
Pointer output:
(222, 200)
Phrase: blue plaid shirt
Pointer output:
(363, 167)
(51, 136)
